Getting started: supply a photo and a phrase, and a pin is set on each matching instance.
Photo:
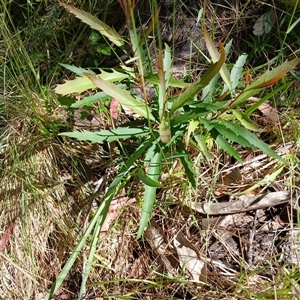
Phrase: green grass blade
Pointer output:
(293, 26)
(64, 272)
(90, 259)
(154, 170)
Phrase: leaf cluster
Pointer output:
(169, 124)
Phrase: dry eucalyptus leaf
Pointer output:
(156, 238)
(158, 241)
(244, 203)
(269, 112)
(189, 258)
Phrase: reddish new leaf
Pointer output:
(271, 81)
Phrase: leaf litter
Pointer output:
(212, 250)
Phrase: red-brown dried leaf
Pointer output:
(114, 110)
(8, 232)
(113, 212)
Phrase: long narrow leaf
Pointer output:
(90, 100)
(187, 163)
(236, 71)
(252, 138)
(193, 114)
(123, 96)
(231, 135)
(220, 140)
(266, 79)
(106, 135)
(153, 78)
(196, 87)
(223, 144)
(90, 259)
(201, 142)
(78, 71)
(81, 84)
(147, 180)
(96, 24)
(245, 121)
(257, 104)
(193, 124)
(154, 170)
(215, 57)
(64, 272)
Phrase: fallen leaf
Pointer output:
(244, 203)
(113, 212)
(158, 241)
(189, 258)
(114, 110)
(139, 267)
(269, 112)
(8, 232)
